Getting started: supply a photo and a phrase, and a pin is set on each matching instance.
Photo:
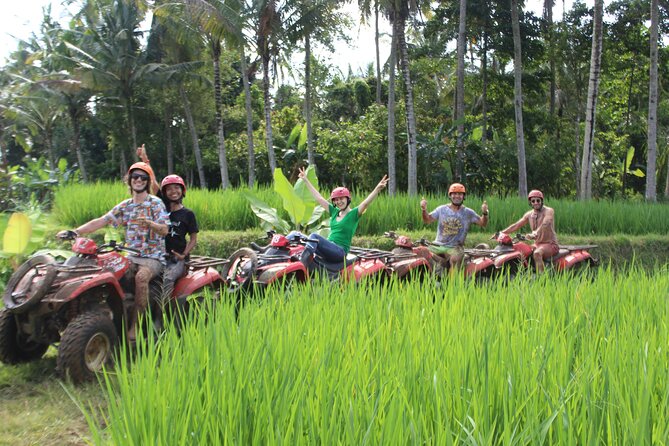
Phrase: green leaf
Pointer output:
(638, 173)
(17, 234)
(266, 213)
(630, 156)
(62, 165)
(292, 203)
(303, 137)
(293, 135)
(477, 134)
(303, 192)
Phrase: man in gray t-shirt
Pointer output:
(454, 222)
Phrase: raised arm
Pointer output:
(362, 207)
(483, 220)
(314, 193)
(427, 218)
(141, 153)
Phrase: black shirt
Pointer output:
(182, 222)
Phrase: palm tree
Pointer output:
(518, 98)
(398, 11)
(460, 90)
(651, 185)
(593, 88)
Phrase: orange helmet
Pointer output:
(147, 169)
(536, 193)
(457, 188)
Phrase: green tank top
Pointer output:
(341, 232)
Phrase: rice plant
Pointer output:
(229, 210)
(550, 360)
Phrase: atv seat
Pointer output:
(335, 267)
(561, 253)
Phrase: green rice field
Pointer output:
(536, 361)
(228, 210)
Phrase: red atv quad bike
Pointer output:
(279, 262)
(82, 304)
(411, 258)
(513, 253)
(474, 266)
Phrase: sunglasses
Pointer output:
(535, 200)
(139, 176)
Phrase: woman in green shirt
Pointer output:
(343, 221)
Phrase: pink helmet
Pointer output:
(340, 192)
(536, 193)
(173, 179)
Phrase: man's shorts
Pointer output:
(152, 265)
(447, 251)
(549, 249)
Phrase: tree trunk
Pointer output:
(412, 177)
(518, 98)
(651, 180)
(193, 135)
(484, 94)
(76, 133)
(378, 56)
(268, 113)
(577, 159)
(591, 108)
(307, 99)
(169, 148)
(392, 173)
(548, 17)
(133, 130)
(222, 156)
(460, 93)
(249, 121)
(48, 143)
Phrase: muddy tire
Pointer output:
(86, 346)
(13, 349)
(22, 291)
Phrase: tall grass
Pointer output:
(228, 210)
(549, 361)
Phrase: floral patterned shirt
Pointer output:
(149, 243)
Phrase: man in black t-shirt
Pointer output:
(182, 223)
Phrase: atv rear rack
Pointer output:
(197, 262)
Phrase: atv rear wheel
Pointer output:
(86, 346)
(14, 349)
(238, 273)
(29, 283)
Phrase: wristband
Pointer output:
(485, 214)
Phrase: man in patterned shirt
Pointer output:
(145, 219)
(454, 221)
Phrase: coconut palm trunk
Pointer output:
(307, 99)
(591, 107)
(222, 155)
(412, 177)
(193, 135)
(392, 171)
(249, 120)
(518, 98)
(460, 92)
(76, 133)
(651, 180)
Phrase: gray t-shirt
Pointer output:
(453, 225)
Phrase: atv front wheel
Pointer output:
(29, 283)
(86, 346)
(14, 348)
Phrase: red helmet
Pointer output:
(404, 242)
(536, 193)
(279, 241)
(504, 239)
(340, 192)
(457, 188)
(173, 179)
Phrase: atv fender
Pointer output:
(195, 280)
(278, 270)
(74, 288)
(403, 267)
(503, 259)
(572, 259)
(478, 264)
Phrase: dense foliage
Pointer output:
(90, 91)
